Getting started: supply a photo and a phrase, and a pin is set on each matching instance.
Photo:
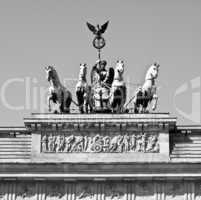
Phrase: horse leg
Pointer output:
(145, 102)
(117, 100)
(141, 109)
(90, 103)
(145, 105)
(155, 100)
(66, 108)
(85, 103)
(86, 106)
(90, 99)
(114, 104)
(123, 100)
(80, 100)
(61, 101)
(68, 103)
(138, 102)
(64, 104)
(49, 98)
(136, 108)
(135, 104)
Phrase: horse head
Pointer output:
(83, 71)
(152, 72)
(119, 70)
(120, 66)
(51, 73)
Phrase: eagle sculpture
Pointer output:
(98, 30)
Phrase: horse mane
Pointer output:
(56, 74)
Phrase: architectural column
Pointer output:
(189, 188)
(130, 191)
(159, 190)
(70, 190)
(40, 191)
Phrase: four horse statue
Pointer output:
(118, 89)
(107, 92)
(147, 93)
(59, 99)
(83, 91)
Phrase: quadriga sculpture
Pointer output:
(59, 99)
(118, 89)
(147, 93)
(83, 91)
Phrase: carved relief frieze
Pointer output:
(85, 191)
(115, 191)
(146, 142)
(55, 191)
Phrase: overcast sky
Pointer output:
(38, 33)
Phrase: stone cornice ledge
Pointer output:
(161, 119)
(99, 177)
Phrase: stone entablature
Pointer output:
(79, 137)
(124, 137)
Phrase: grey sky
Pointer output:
(38, 33)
